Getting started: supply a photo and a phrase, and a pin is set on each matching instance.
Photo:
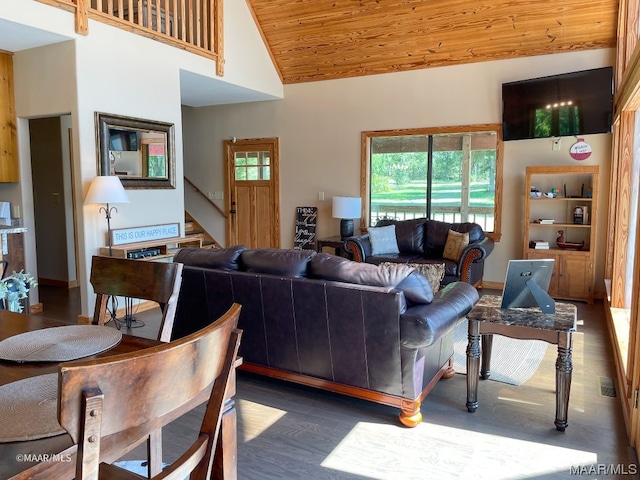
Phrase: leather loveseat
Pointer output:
(423, 241)
(376, 333)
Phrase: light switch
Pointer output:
(321, 196)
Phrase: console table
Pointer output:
(152, 249)
(487, 319)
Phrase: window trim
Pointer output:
(365, 167)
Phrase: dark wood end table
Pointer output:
(336, 242)
(487, 319)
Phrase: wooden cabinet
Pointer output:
(8, 140)
(573, 210)
(571, 273)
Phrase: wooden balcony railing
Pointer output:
(192, 25)
(483, 216)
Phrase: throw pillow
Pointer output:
(433, 272)
(383, 240)
(456, 243)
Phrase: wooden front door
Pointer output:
(253, 192)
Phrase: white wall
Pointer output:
(39, 92)
(319, 125)
(121, 73)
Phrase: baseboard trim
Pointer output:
(137, 308)
(492, 285)
(500, 286)
(50, 282)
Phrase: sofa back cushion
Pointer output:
(216, 258)
(436, 234)
(409, 234)
(275, 261)
(415, 286)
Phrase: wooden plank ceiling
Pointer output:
(313, 40)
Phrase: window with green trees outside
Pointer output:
(449, 176)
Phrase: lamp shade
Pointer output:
(346, 207)
(106, 189)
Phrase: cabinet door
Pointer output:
(554, 283)
(576, 277)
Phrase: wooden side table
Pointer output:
(336, 242)
(487, 318)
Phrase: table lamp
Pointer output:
(106, 189)
(346, 208)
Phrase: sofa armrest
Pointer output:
(473, 253)
(358, 246)
(422, 325)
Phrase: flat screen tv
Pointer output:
(569, 104)
(123, 140)
(527, 283)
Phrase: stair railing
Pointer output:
(203, 195)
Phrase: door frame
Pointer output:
(243, 145)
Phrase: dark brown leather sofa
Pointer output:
(422, 240)
(376, 333)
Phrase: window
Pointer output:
(449, 174)
(252, 165)
(557, 120)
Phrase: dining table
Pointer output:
(24, 459)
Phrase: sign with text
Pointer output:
(123, 236)
(305, 228)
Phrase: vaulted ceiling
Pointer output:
(313, 40)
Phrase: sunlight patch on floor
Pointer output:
(261, 418)
(515, 400)
(387, 452)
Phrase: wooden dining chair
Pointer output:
(147, 280)
(154, 281)
(156, 386)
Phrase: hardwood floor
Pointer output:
(287, 431)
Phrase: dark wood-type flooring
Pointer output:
(292, 432)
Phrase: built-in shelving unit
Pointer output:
(563, 198)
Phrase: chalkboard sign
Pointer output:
(305, 228)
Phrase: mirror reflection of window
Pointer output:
(154, 156)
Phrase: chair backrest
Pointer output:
(156, 281)
(133, 394)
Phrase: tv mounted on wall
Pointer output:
(576, 103)
(123, 140)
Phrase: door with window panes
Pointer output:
(252, 193)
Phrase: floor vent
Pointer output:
(607, 388)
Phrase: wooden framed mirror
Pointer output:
(140, 152)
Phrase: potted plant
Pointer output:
(15, 288)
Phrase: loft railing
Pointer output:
(193, 25)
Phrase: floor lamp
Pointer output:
(108, 189)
